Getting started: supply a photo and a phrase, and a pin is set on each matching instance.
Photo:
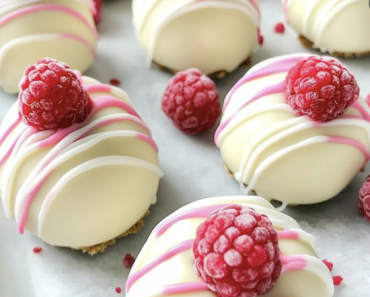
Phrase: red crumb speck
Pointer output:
(328, 264)
(118, 290)
(114, 82)
(128, 260)
(37, 250)
(337, 280)
(279, 28)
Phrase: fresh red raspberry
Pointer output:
(364, 199)
(51, 96)
(236, 252)
(97, 11)
(279, 28)
(321, 88)
(191, 101)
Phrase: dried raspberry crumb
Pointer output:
(118, 290)
(191, 101)
(37, 250)
(51, 96)
(236, 252)
(128, 260)
(328, 264)
(114, 82)
(364, 199)
(279, 28)
(321, 88)
(260, 37)
(337, 280)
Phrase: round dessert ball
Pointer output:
(293, 129)
(339, 27)
(30, 30)
(78, 166)
(213, 36)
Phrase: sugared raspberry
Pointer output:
(279, 28)
(97, 11)
(191, 101)
(128, 260)
(321, 88)
(364, 199)
(236, 252)
(51, 96)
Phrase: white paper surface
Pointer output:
(193, 170)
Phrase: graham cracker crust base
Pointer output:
(309, 44)
(98, 248)
(217, 74)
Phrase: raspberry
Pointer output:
(236, 252)
(97, 11)
(191, 101)
(321, 88)
(279, 28)
(364, 199)
(51, 96)
(128, 260)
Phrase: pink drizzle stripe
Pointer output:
(275, 67)
(47, 7)
(106, 101)
(185, 288)
(147, 139)
(288, 234)
(200, 212)
(275, 89)
(81, 40)
(10, 129)
(292, 263)
(97, 88)
(9, 151)
(362, 110)
(183, 246)
(354, 143)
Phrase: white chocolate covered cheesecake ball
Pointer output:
(83, 184)
(211, 35)
(286, 157)
(31, 30)
(340, 27)
(165, 264)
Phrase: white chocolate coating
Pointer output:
(211, 35)
(31, 30)
(85, 184)
(303, 274)
(332, 25)
(285, 157)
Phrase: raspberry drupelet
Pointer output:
(321, 88)
(191, 101)
(364, 199)
(236, 252)
(51, 96)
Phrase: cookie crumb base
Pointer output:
(309, 44)
(217, 74)
(93, 250)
